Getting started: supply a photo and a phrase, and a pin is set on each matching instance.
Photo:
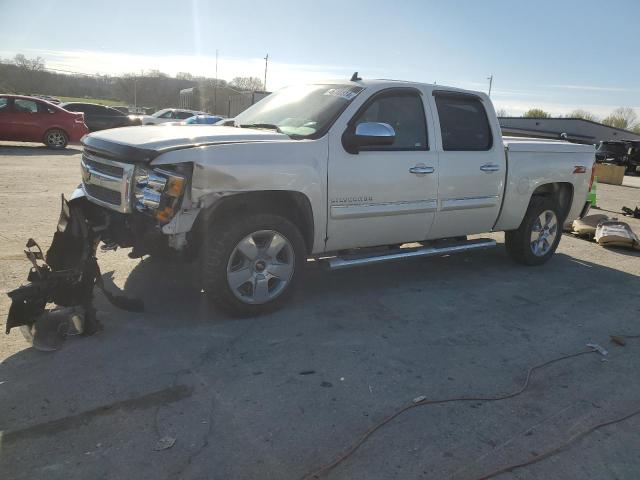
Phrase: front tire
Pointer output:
(251, 265)
(538, 236)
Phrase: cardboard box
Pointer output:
(609, 173)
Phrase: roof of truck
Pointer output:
(383, 82)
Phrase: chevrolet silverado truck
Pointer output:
(345, 173)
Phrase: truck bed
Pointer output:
(532, 162)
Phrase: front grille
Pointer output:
(100, 193)
(103, 167)
(107, 182)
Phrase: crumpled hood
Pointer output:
(160, 138)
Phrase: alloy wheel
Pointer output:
(260, 267)
(544, 233)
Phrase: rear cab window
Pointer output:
(464, 124)
(4, 104)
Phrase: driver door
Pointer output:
(382, 195)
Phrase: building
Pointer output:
(575, 130)
(219, 100)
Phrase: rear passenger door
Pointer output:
(472, 165)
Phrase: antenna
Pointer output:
(355, 77)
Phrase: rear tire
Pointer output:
(250, 266)
(56, 139)
(538, 236)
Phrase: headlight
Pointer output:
(157, 192)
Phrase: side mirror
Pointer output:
(368, 134)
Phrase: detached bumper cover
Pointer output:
(68, 273)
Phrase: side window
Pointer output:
(463, 123)
(44, 108)
(25, 106)
(4, 104)
(167, 114)
(183, 115)
(405, 113)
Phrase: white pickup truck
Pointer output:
(344, 172)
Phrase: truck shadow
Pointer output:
(171, 290)
(34, 149)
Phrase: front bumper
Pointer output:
(68, 273)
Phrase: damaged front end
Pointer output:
(66, 276)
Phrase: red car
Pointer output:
(29, 119)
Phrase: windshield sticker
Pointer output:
(341, 92)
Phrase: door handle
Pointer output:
(421, 170)
(490, 167)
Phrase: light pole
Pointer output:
(215, 86)
(266, 62)
(490, 78)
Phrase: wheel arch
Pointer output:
(562, 192)
(293, 205)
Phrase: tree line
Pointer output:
(155, 89)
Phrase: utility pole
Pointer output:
(135, 93)
(490, 78)
(215, 86)
(266, 62)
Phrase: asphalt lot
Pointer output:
(278, 396)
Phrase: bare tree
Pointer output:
(247, 83)
(33, 64)
(536, 113)
(622, 117)
(583, 114)
(501, 112)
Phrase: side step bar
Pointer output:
(338, 263)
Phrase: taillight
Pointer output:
(593, 175)
(80, 118)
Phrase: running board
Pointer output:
(338, 263)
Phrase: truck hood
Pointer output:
(145, 143)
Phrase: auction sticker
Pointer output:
(341, 92)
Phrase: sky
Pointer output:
(556, 55)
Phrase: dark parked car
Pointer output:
(612, 152)
(29, 119)
(633, 156)
(100, 117)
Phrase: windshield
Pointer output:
(159, 113)
(302, 111)
(612, 147)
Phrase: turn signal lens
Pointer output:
(175, 186)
